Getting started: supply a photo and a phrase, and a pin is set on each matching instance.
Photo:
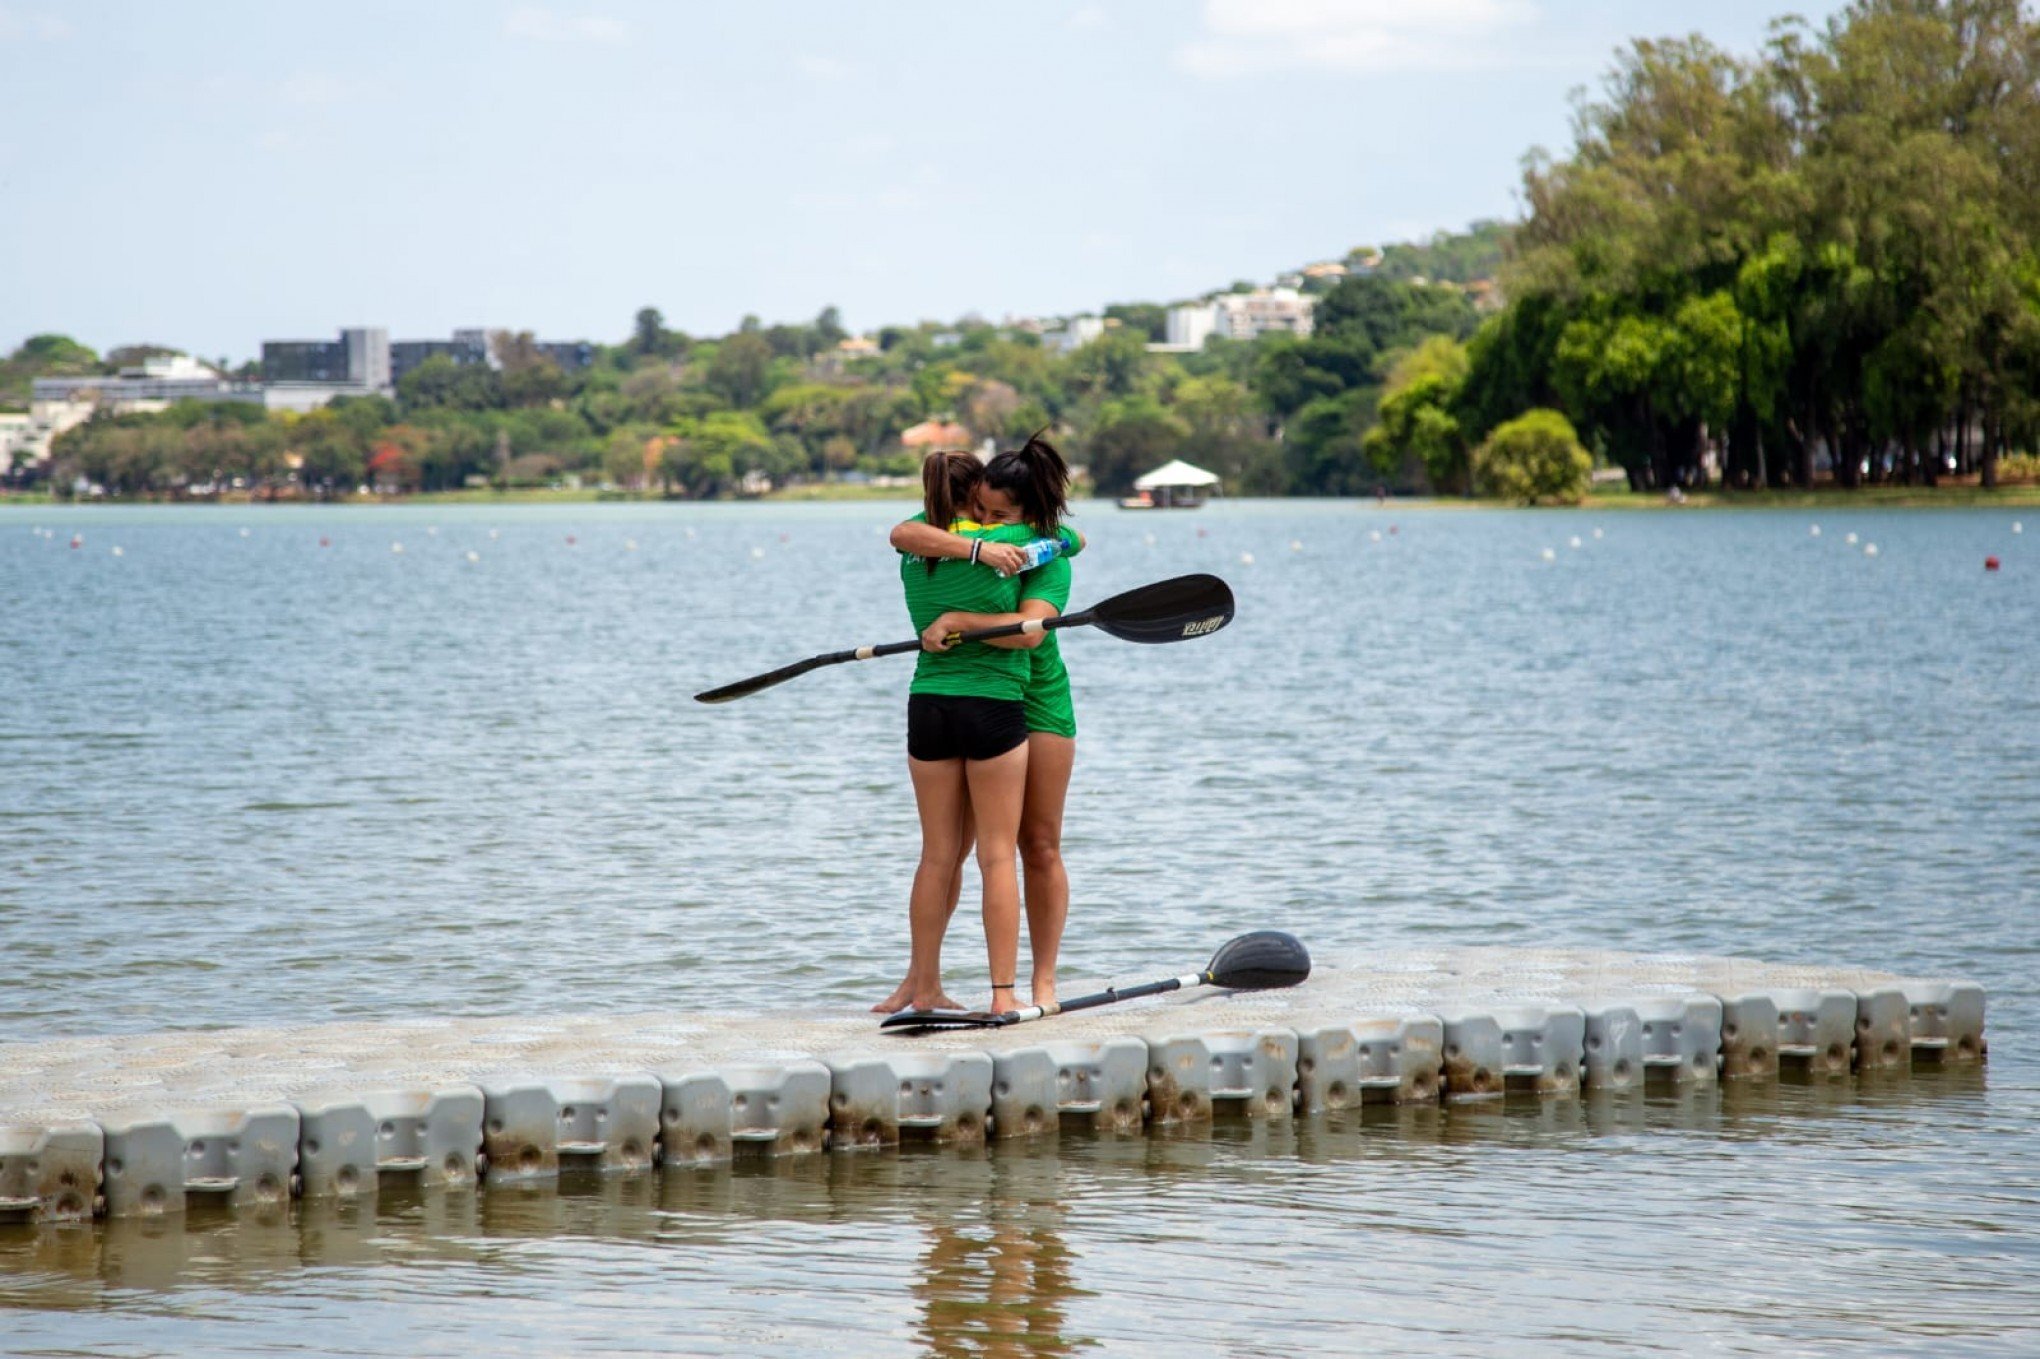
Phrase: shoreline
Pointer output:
(1866, 497)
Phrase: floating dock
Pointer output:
(151, 1124)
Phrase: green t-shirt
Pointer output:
(972, 669)
(1049, 708)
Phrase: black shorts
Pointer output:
(953, 727)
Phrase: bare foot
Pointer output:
(1044, 992)
(1004, 998)
(902, 998)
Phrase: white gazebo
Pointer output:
(1174, 485)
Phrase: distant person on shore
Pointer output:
(974, 521)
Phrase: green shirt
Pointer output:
(972, 669)
(1049, 708)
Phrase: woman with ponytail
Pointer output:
(1022, 492)
(966, 740)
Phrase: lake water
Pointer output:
(262, 768)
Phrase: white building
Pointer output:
(57, 404)
(1248, 316)
(1191, 326)
(16, 435)
(1236, 316)
(1075, 334)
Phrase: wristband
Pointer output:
(975, 544)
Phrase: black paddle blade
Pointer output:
(746, 687)
(1167, 611)
(1261, 961)
(922, 1021)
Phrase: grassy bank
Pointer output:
(836, 490)
(1862, 498)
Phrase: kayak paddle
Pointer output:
(1261, 961)
(1167, 611)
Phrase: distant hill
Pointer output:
(43, 356)
(1447, 257)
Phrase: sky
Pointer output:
(208, 176)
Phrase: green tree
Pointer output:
(1132, 435)
(1534, 459)
(43, 356)
(649, 338)
(1419, 425)
(1150, 320)
(738, 373)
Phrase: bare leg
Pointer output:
(966, 833)
(966, 837)
(997, 788)
(1050, 759)
(938, 792)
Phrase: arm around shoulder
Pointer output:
(918, 539)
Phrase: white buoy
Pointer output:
(396, 547)
(1575, 541)
(1149, 538)
(1850, 539)
(1597, 533)
(492, 535)
(1814, 531)
(1549, 555)
(118, 553)
(630, 545)
(1296, 544)
(473, 555)
(244, 533)
(432, 530)
(757, 554)
(690, 533)
(1246, 559)
(2018, 527)
(1869, 549)
(1374, 535)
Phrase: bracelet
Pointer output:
(975, 544)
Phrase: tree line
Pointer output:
(1819, 262)
(670, 413)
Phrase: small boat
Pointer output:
(1173, 486)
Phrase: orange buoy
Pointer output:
(77, 540)
(570, 540)
(325, 542)
(1990, 563)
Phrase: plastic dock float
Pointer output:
(151, 1125)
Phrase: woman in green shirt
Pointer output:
(966, 745)
(1023, 490)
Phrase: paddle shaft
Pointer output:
(865, 653)
(1108, 996)
(1167, 611)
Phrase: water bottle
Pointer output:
(1039, 551)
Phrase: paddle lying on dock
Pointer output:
(1167, 611)
(1264, 960)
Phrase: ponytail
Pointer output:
(1037, 478)
(947, 481)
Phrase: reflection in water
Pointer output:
(996, 1272)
